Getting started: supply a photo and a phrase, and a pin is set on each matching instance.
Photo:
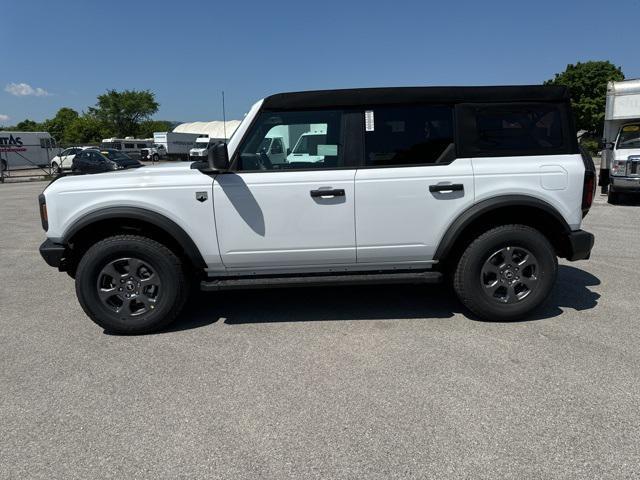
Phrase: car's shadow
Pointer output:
(392, 302)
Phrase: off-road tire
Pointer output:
(164, 263)
(614, 198)
(468, 283)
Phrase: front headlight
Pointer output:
(619, 167)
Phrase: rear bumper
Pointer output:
(53, 253)
(625, 184)
(580, 245)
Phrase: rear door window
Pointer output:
(408, 135)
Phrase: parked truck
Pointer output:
(174, 145)
(620, 165)
(26, 150)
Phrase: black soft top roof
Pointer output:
(358, 97)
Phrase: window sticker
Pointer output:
(368, 121)
(328, 150)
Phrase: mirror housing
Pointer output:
(604, 145)
(218, 157)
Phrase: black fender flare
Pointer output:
(141, 214)
(465, 219)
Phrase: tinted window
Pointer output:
(313, 136)
(129, 145)
(412, 135)
(142, 145)
(518, 129)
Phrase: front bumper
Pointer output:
(625, 184)
(580, 244)
(53, 253)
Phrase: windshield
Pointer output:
(309, 144)
(629, 137)
(201, 145)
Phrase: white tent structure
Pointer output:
(215, 129)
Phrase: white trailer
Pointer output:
(21, 150)
(176, 144)
(620, 166)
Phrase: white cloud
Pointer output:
(4, 118)
(24, 89)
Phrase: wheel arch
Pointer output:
(507, 209)
(115, 220)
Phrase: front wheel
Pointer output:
(156, 157)
(506, 273)
(131, 285)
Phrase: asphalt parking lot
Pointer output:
(367, 382)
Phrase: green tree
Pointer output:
(28, 126)
(86, 129)
(123, 111)
(588, 85)
(146, 128)
(58, 125)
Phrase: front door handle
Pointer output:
(336, 192)
(446, 187)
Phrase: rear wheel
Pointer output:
(156, 157)
(131, 285)
(614, 198)
(506, 273)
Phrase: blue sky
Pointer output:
(187, 51)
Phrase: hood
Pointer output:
(624, 153)
(166, 175)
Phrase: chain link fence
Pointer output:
(27, 161)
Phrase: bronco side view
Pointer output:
(484, 186)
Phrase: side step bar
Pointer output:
(320, 280)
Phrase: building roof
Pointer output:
(358, 97)
(215, 129)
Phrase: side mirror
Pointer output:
(218, 157)
(604, 145)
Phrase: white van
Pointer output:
(200, 149)
(20, 150)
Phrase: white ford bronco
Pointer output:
(485, 186)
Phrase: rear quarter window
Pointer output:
(514, 130)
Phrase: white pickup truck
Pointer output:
(402, 190)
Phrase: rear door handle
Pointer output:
(446, 188)
(336, 192)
